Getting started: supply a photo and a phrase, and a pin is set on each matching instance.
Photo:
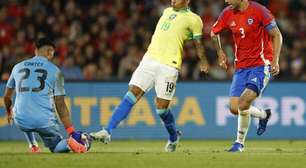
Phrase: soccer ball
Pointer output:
(86, 139)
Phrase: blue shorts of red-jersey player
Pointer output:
(254, 78)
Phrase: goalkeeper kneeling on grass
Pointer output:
(39, 87)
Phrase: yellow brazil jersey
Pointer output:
(173, 29)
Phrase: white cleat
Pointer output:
(171, 146)
(102, 136)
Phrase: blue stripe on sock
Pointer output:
(131, 97)
(161, 111)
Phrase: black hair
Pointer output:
(44, 41)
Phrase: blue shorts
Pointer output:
(51, 136)
(255, 78)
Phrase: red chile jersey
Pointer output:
(253, 45)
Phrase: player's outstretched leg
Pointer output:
(33, 145)
(262, 125)
(169, 123)
(120, 113)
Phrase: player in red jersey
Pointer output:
(258, 43)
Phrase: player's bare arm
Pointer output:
(8, 94)
(222, 59)
(204, 66)
(62, 111)
(277, 40)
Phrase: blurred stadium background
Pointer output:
(100, 43)
(105, 39)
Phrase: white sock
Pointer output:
(257, 113)
(244, 119)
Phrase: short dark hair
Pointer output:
(44, 41)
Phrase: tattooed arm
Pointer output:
(222, 59)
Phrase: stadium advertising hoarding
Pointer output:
(200, 109)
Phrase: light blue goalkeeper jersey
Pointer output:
(36, 82)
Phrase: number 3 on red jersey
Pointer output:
(242, 32)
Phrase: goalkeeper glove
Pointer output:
(77, 142)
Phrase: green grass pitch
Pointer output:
(149, 154)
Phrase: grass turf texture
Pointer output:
(147, 154)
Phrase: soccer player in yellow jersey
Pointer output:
(160, 68)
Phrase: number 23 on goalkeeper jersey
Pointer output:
(36, 81)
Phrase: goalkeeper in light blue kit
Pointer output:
(160, 67)
(39, 87)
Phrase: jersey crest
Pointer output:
(172, 16)
(250, 21)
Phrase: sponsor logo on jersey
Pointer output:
(233, 24)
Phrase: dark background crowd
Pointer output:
(106, 39)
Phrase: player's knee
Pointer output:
(234, 109)
(162, 103)
(243, 104)
(233, 106)
(136, 91)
